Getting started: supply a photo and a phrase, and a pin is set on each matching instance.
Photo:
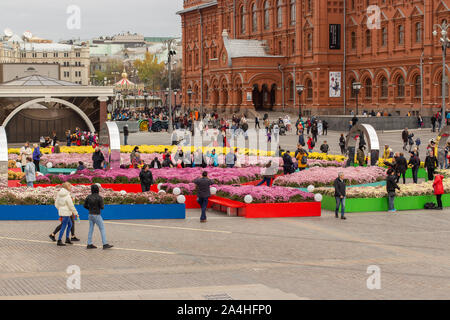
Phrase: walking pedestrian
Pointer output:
(203, 193)
(94, 203)
(405, 135)
(125, 134)
(66, 210)
(414, 162)
(342, 143)
(257, 122)
(36, 156)
(146, 178)
(433, 124)
(325, 127)
(438, 187)
(30, 173)
(431, 164)
(391, 186)
(339, 195)
(401, 166)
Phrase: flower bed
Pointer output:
(173, 175)
(320, 177)
(46, 196)
(406, 190)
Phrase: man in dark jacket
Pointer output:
(97, 158)
(414, 161)
(288, 164)
(94, 203)
(339, 195)
(405, 135)
(146, 178)
(431, 164)
(203, 193)
(324, 147)
(125, 134)
(391, 185)
(155, 163)
(402, 165)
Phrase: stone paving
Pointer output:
(235, 258)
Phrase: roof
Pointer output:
(38, 80)
(30, 46)
(198, 7)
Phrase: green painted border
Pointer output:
(381, 204)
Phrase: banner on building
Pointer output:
(335, 36)
(335, 84)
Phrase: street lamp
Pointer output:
(445, 44)
(189, 92)
(356, 88)
(170, 53)
(299, 89)
(175, 94)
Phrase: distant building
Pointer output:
(12, 71)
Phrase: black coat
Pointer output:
(431, 162)
(287, 160)
(414, 161)
(158, 163)
(402, 164)
(97, 159)
(203, 187)
(146, 178)
(339, 187)
(391, 183)
(94, 203)
(125, 131)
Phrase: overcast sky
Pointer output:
(48, 18)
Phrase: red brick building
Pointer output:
(250, 54)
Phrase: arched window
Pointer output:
(368, 88)
(353, 39)
(292, 9)
(309, 89)
(266, 15)
(401, 34)
(310, 5)
(368, 39)
(353, 4)
(384, 36)
(400, 87)
(243, 20)
(254, 18)
(440, 87)
(309, 42)
(384, 87)
(293, 46)
(279, 14)
(417, 86)
(418, 32)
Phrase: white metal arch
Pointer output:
(63, 102)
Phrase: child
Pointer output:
(438, 190)
(94, 203)
(80, 166)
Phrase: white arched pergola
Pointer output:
(61, 101)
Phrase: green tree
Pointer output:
(149, 69)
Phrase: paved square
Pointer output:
(235, 258)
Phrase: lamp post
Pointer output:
(445, 44)
(189, 92)
(356, 88)
(299, 89)
(170, 53)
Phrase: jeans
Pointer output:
(415, 171)
(72, 229)
(203, 202)
(36, 164)
(125, 140)
(145, 188)
(391, 197)
(230, 165)
(265, 179)
(30, 184)
(430, 172)
(65, 226)
(340, 202)
(98, 220)
(439, 200)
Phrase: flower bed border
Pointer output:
(111, 212)
(381, 204)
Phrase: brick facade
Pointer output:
(386, 61)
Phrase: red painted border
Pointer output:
(283, 210)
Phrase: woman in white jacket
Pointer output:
(66, 209)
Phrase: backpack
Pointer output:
(418, 142)
(313, 144)
(430, 205)
(304, 160)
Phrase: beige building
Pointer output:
(73, 60)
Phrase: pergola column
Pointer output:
(103, 111)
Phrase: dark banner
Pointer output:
(335, 36)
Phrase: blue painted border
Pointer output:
(111, 212)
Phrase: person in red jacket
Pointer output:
(311, 144)
(438, 189)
